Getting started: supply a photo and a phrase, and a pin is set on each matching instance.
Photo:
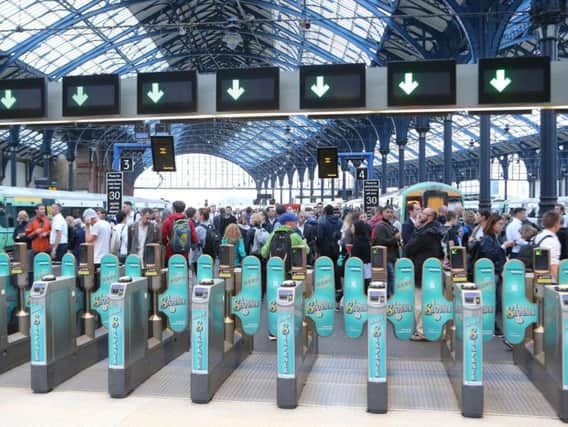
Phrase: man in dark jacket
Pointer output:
(409, 226)
(328, 235)
(427, 243)
(387, 235)
(226, 219)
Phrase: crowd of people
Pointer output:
(323, 230)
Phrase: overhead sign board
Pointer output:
(22, 98)
(126, 164)
(362, 174)
(248, 89)
(91, 95)
(114, 192)
(163, 153)
(332, 86)
(514, 80)
(370, 195)
(327, 162)
(168, 92)
(423, 83)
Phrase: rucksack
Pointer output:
(281, 247)
(180, 240)
(526, 252)
(260, 238)
(212, 241)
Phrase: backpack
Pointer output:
(180, 240)
(260, 238)
(212, 241)
(526, 252)
(281, 247)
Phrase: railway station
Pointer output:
(283, 212)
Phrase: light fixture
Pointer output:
(232, 39)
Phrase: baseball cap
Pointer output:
(89, 213)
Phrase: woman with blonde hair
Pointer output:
(233, 236)
(20, 230)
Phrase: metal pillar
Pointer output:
(344, 185)
(46, 152)
(333, 189)
(484, 161)
(322, 189)
(14, 142)
(505, 168)
(70, 157)
(384, 173)
(448, 149)
(401, 166)
(422, 127)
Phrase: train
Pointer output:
(15, 199)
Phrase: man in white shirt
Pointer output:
(58, 237)
(547, 239)
(97, 232)
(130, 215)
(513, 231)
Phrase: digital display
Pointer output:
(169, 92)
(457, 258)
(149, 257)
(248, 89)
(377, 259)
(471, 298)
(225, 255)
(84, 254)
(39, 287)
(377, 297)
(297, 258)
(163, 153)
(201, 292)
(22, 98)
(565, 299)
(91, 95)
(286, 295)
(421, 83)
(514, 80)
(541, 260)
(117, 290)
(327, 162)
(332, 86)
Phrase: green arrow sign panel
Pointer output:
(332, 86)
(91, 95)
(167, 92)
(22, 98)
(248, 89)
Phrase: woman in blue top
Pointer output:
(233, 236)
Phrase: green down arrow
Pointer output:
(236, 91)
(155, 94)
(409, 85)
(500, 81)
(80, 97)
(8, 100)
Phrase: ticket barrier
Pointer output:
(225, 317)
(535, 320)
(453, 315)
(67, 335)
(149, 319)
(374, 308)
(304, 311)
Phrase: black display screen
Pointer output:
(23, 98)
(225, 255)
(514, 80)
(248, 89)
(541, 259)
(297, 258)
(457, 258)
(149, 255)
(91, 95)
(84, 254)
(421, 83)
(332, 86)
(169, 92)
(377, 258)
(163, 153)
(327, 162)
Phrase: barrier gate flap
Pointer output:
(354, 300)
(9, 293)
(484, 278)
(100, 299)
(275, 275)
(204, 268)
(518, 312)
(320, 307)
(174, 300)
(42, 266)
(133, 266)
(400, 308)
(69, 269)
(246, 304)
(436, 309)
(563, 273)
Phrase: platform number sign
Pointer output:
(362, 174)
(114, 192)
(370, 195)
(126, 164)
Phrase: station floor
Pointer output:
(420, 393)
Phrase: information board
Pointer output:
(514, 80)
(126, 164)
(163, 153)
(114, 192)
(22, 98)
(370, 195)
(327, 162)
(248, 89)
(332, 86)
(91, 95)
(362, 174)
(422, 83)
(167, 92)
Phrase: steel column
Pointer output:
(485, 161)
(448, 149)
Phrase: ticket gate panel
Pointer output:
(354, 300)
(173, 302)
(8, 295)
(436, 309)
(246, 304)
(275, 275)
(205, 268)
(109, 274)
(42, 267)
(133, 266)
(400, 307)
(320, 307)
(518, 312)
(377, 394)
(484, 278)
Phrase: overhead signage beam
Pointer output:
(425, 83)
(514, 80)
(22, 98)
(248, 89)
(168, 92)
(91, 95)
(332, 86)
